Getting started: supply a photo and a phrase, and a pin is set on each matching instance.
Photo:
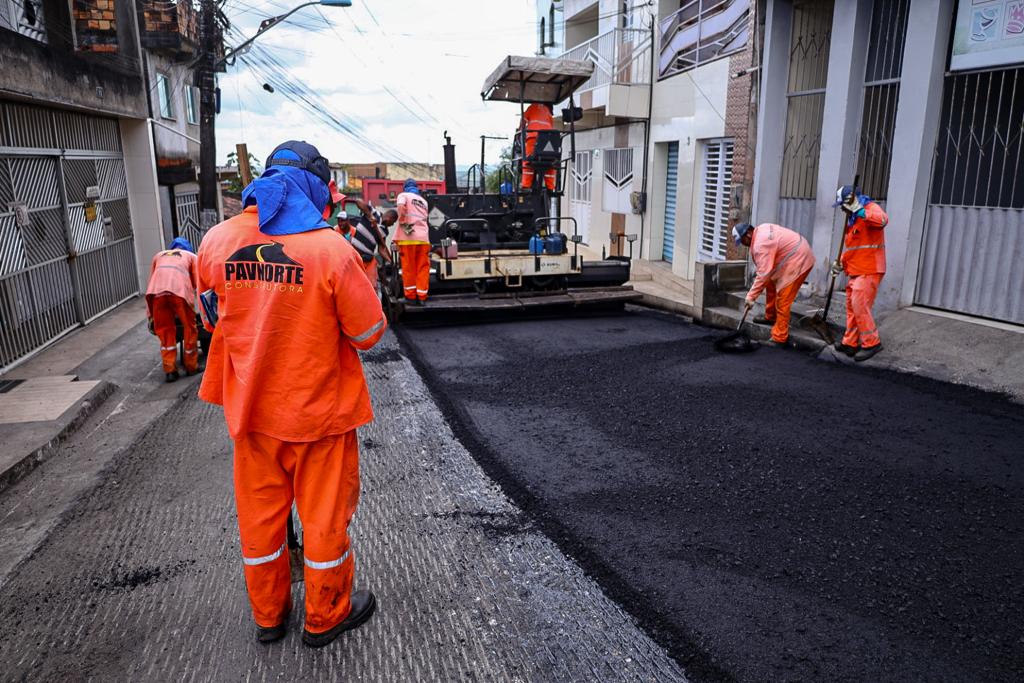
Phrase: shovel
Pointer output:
(819, 322)
(737, 341)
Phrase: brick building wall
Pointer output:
(95, 25)
(741, 125)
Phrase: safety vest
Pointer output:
(412, 219)
(864, 245)
(292, 311)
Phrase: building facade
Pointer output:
(170, 40)
(78, 193)
(661, 161)
(923, 100)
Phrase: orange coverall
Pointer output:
(170, 297)
(864, 262)
(293, 309)
(784, 259)
(536, 117)
(413, 239)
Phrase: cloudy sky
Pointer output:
(393, 75)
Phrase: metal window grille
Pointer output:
(881, 94)
(808, 75)
(582, 175)
(718, 158)
(618, 179)
(701, 31)
(979, 155)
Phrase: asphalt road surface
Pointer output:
(767, 517)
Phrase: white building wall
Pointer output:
(687, 109)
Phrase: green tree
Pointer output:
(494, 174)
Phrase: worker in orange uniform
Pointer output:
(783, 259)
(360, 231)
(863, 260)
(537, 117)
(170, 298)
(413, 239)
(293, 305)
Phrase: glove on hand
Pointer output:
(837, 268)
(747, 306)
(150, 325)
(852, 205)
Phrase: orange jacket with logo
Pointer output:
(172, 272)
(864, 248)
(292, 310)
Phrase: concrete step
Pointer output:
(803, 310)
(661, 273)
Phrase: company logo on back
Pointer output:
(263, 266)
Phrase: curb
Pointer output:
(82, 411)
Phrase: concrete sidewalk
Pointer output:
(142, 578)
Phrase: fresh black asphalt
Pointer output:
(767, 517)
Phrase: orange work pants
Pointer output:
(528, 173)
(322, 477)
(860, 324)
(415, 270)
(777, 306)
(166, 309)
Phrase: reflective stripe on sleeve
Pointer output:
(866, 246)
(330, 564)
(369, 333)
(253, 561)
(168, 348)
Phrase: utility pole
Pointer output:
(205, 74)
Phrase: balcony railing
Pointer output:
(621, 56)
(701, 31)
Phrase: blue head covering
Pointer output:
(289, 200)
(411, 186)
(182, 243)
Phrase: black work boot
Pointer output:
(843, 348)
(363, 606)
(761, 320)
(171, 376)
(269, 634)
(867, 352)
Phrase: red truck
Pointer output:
(382, 192)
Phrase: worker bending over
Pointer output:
(537, 117)
(170, 298)
(863, 260)
(783, 259)
(293, 307)
(413, 238)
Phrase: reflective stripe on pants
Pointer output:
(168, 308)
(322, 477)
(415, 270)
(860, 324)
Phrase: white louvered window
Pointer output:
(582, 173)
(717, 184)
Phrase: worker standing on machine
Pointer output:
(863, 260)
(413, 239)
(292, 307)
(537, 117)
(783, 259)
(170, 298)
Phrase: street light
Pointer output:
(270, 23)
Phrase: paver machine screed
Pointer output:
(510, 250)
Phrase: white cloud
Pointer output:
(433, 55)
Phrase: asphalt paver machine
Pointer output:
(510, 250)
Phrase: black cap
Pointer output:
(309, 159)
